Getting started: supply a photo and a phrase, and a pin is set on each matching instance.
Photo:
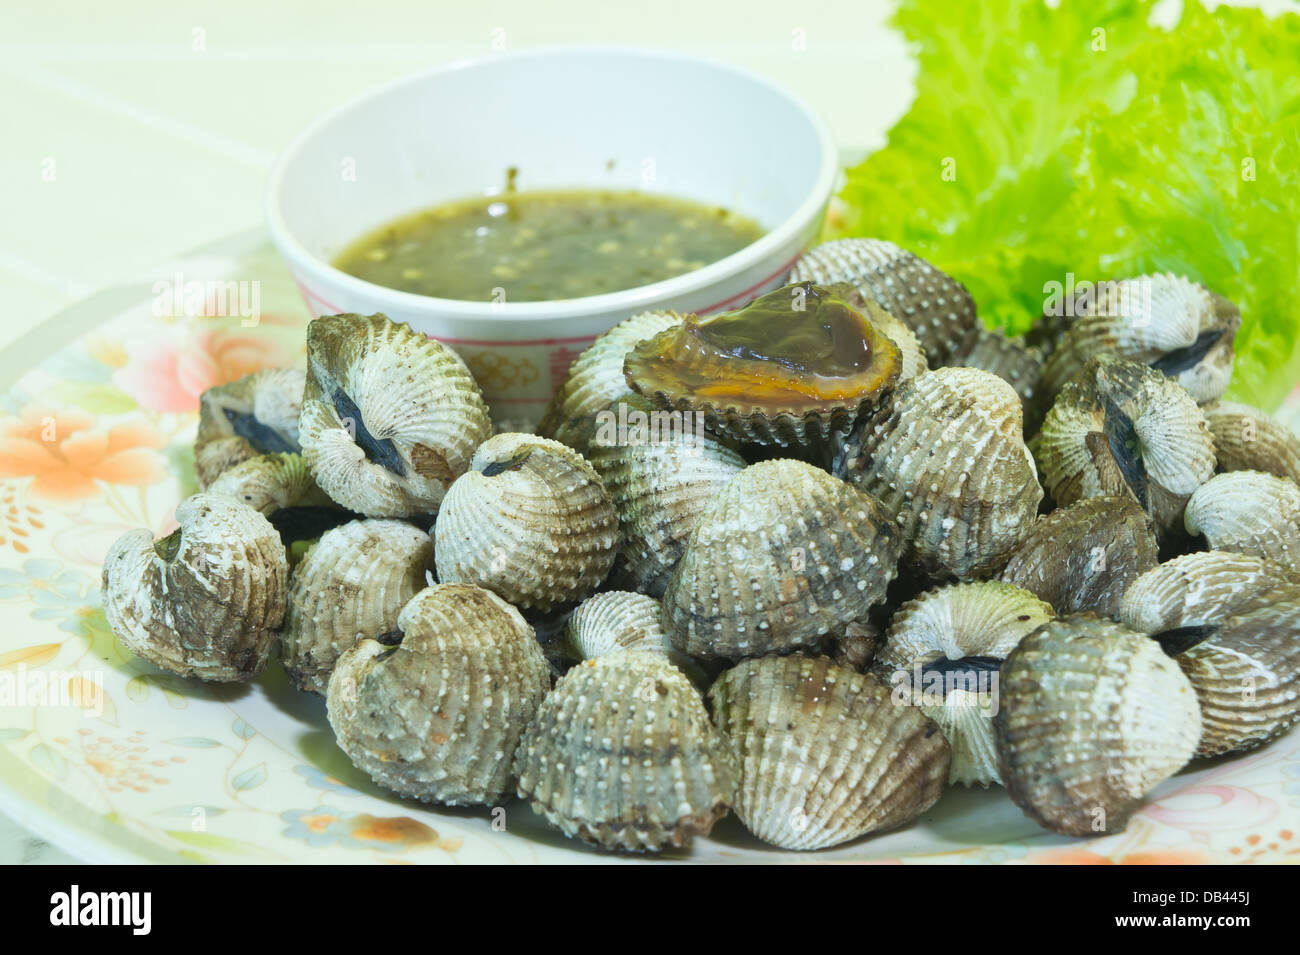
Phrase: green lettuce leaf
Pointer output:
(1085, 140)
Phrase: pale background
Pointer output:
(159, 120)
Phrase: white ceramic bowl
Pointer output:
(599, 117)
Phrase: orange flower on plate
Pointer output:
(170, 376)
(65, 453)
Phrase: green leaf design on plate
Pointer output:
(12, 732)
(49, 761)
(250, 778)
(188, 811)
(206, 840)
(243, 730)
(91, 396)
(137, 689)
(195, 742)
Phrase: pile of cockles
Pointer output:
(811, 561)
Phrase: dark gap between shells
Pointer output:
(307, 523)
(1176, 362)
(263, 438)
(1124, 448)
(501, 467)
(381, 451)
(1181, 639)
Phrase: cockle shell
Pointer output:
(389, 417)
(615, 620)
(935, 305)
(1092, 717)
(1009, 358)
(1166, 321)
(784, 554)
(825, 755)
(1232, 622)
(595, 380)
(271, 482)
(856, 644)
(435, 710)
(947, 455)
(206, 600)
(622, 754)
(942, 650)
(790, 368)
(1247, 439)
(530, 520)
(912, 360)
(1250, 512)
(1082, 557)
(659, 487)
(351, 584)
(257, 414)
(1121, 428)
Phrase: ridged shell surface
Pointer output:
(942, 651)
(438, 715)
(1121, 428)
(389, 417)
(1247, 439)
(1201, 588)
(623, 755)
(615, 620)
(1249, 512)
(530, 520)
(1092, 717)
(256, 414)
(351, 584)
(825, 755)
(206, 600)
(271, 482)
(1083, 557)
(1009, 358)
(935, 305)
(660, 487)
(947, 456)
(595, 380)
(784, 555)
(1166, 321)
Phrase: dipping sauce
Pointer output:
(546, 245)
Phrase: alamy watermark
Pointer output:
(180, 297)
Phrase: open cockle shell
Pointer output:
(1176, 326)
(530, 520)
(785, 554)
(351, 584)
(935, 305)
(206, 600)
(622, 754)
(389, 417)
(1121, 428)
(595, 380)
(1081, 558)
(790, 368)
(824, 754)
(1232, 622)
(1247, 439)
(660, 486)
(1092, 717)
(1249, 512)
(256, 414)
(942, 651)
(947, 455)
(435, 710)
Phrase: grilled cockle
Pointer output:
(530, 520)
(389, 417)
(1177, 327)
(790, 368)
(435, 709)
(623, 755)
(824, 754)
(1247, 439)
(660, 483)
(595, 381)
(1081, 558)
(1250, 512)
(946, 454)
(935, 305)
(1092, 716)
(257, 414)
(942, 652)
(1121, 428)
(784, 555)
(1232, 622)
(352, 583)
(204, 601)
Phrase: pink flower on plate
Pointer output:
(169, 375)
